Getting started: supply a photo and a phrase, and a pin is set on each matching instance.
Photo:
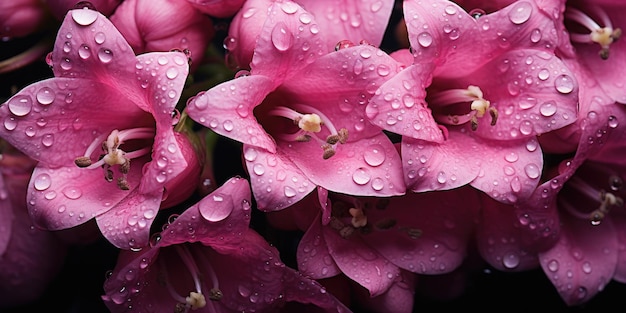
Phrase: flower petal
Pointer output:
(228, 108)
(276, 181)
(289, 40)
(314, 258)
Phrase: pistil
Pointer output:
(603, 36)
(113, 155)
(310, 126)
(477, 108)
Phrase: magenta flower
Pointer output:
(55, 122)
(463, 124)
(60, 7)
(30, 258)
(300, 115)
(351, 20)
(372, 240)
(163, 26)
(207, 260)
(22, 18)
(218, 8)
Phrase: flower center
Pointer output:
(113, 157)
(604, 199)
(592, 32)
(309, 127)
(196, 298)
(446, 104)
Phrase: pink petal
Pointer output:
(276, 181)
(167, 161)
(161, 76)
(64, 197)
(218, 8)
(6, 217)
(53, 121)
(501, 241)
(288, 41)
(583, 261)
(127, 224)
(441, 220)
(370, 167)
(228, 108)
(341, 92)
(366, 20)
(399, 105)
(399, 298)
(89, 46)
(620, 271)
(314, 257)
(360, 262)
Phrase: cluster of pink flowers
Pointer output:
(494, 128)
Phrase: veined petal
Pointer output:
(368, 167)
(341, 92)
(89, 46)
(48, 119)
(366, 19)
(127, 224)
(64, 197)
(360, 262)
(167, 160)
(287, 43)
(399, 105)
(163, 75)
(583, 261)
(314, 258)
(228, 108)
(276, 181)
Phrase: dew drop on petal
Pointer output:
(47, 140)
(361, 176)
(378, 184)
(10, 123)
(72, 192)
(289, 192)
(258, 169)
(84, 52)
(564, 84)
(543, 74)
(84, 17)
(171, 73)
(374, 155)
(425, 39)
(45, 95)
(548, 108)
(281, 37)
(42, 182)
(99, 37)
(520, 13)
(289, 7)
(20, 105)
(535, 35)
(105, 55)
(511, 260)
(532, 171)
(613, 123)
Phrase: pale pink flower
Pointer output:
(105, 101)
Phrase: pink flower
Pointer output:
(102, 100)
(164, 25)
(336, 21)
(30, 258)
(207, 260)
(372, 240)
(299, 114)
(218, 8)
(478, 93)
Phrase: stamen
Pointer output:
(478, 106)
(358, 217)
(308, 124)
(606, 199)
(603, 36)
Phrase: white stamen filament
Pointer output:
(606, 200)
(116, 156)
(478, 106)
(603, 36)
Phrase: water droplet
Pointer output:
(511, 157)
(441, 177)
(374, 155)
(105, 55)
(361, 176)
(228, 125)
(564, 84)
(511, 261)
(553, 265)
(72, 192)
(171, 73)
(548, 108)
(258, 169)
(20, 105)
(535, 35)
(358, 67)
(289, 192)
(526, 127)
(66, 64)
(10, 123)
(50, 195)
(383, 70)
(99, 38)
(543, 74)
(84, 52)
(289, 7)
(305, 18)
(378, 184)
(84, 16)
(532, 171)
(171, 148)
(425, 39)
(520, 13)
(42, 182)
(281, 37)
(30, 131)
(450, 10)
(47, 140)
(586, 267)
(613, 123)
(527, 103)
(244, 291)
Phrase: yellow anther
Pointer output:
(196, 300)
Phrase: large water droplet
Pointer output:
(289, 192)
(548, 108)
(361, 176)
(564, 84)
(289, 7)
(99, 38)
(72, 192)
(281, 37)
(84, 16)
(10, 123)
(84, 52)
(520, 13)
(425, 39)
(20, 105)
(374, 155)
(45, 95)
(511, 260)
(105, 55)
(532, 171)
(613, 122)
(258, 169)
(47, 140)
(42, 182)
(535, 35)
(171, 73)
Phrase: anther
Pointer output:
(82, 161)
(196, 300)
(215, 294)
(603, 36)
(478, 106)
(358, 217)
